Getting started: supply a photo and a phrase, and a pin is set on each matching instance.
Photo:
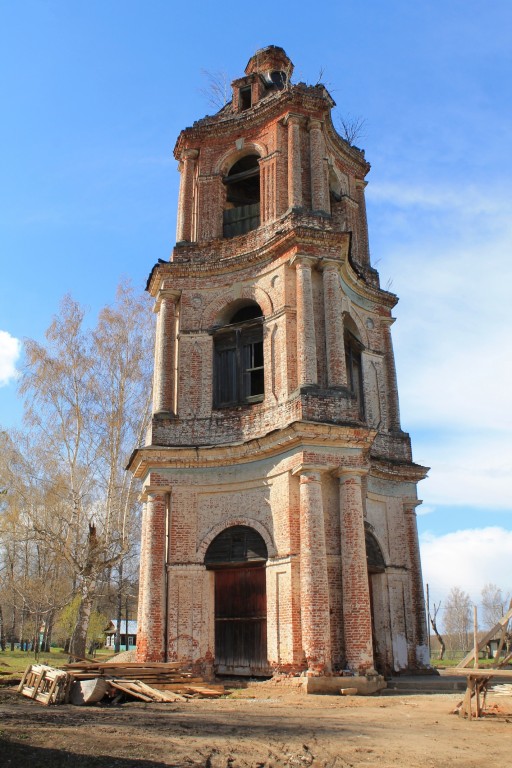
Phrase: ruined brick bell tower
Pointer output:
(279, 526)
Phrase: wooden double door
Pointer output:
(241, 620)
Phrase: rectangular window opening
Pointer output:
(245, 98)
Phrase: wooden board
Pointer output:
(461, 672)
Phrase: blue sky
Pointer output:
(94, 95)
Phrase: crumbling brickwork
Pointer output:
(275, 417)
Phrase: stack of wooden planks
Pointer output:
(151, 681)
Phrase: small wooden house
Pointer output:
(128, 635)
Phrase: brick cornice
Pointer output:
(289, 237)
(303, 100)
(299, 435)
(408, 472)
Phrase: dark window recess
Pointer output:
(353, 349)
(242, 210)
(374, 557)
(245, 100)
(238, 221)
(236, 545)
(239, 369)
(278, 79)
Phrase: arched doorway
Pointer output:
(238, 556)
(376, 568)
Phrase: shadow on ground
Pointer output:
(15, 755)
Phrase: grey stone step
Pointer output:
(424, 684)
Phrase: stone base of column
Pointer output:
(164, 415)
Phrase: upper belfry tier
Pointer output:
(268, 162)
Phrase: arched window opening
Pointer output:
(353, 360)
(278, 79)
(238, 358)
(242, 209)
(237, 545)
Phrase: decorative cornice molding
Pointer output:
(293, 437)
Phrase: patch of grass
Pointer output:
(452, 662)
(14, 663)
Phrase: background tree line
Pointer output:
(455, 634)
(68, 508)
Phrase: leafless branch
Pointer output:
(352, 128)
(218, 88)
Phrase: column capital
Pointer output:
(351, 473)
(314, 124)
(327, 264)
(189, 154)
(410, 504)
(150, 493)
(310, 472)
(166, 294)
(303, 260)
(292, 118)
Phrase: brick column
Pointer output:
(392, 387)
(306, 335)
(416, 581)
(314, 588)
(319, 187)
(294, 163)
(357, 621)
(164, 380)
(362, 225)
(186, 212)
(151, 613)
(268, 187)
(334, 332)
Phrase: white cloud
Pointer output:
(468, 559)
(447, 248)
(471, 470)
(469, 201)
(10, 349)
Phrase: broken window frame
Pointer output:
(245, 197)
(239, 364)
(354, 364)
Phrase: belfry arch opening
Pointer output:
(353, 360)
(242, 206)
(238, 556)
(238, 356)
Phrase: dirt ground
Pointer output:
(263, 725)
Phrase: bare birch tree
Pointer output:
(494, 605)
(457, 617)
(87, 398)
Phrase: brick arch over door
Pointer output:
(246, 521)
(249, 292)
(237, 557)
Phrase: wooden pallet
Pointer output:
(45, 684)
